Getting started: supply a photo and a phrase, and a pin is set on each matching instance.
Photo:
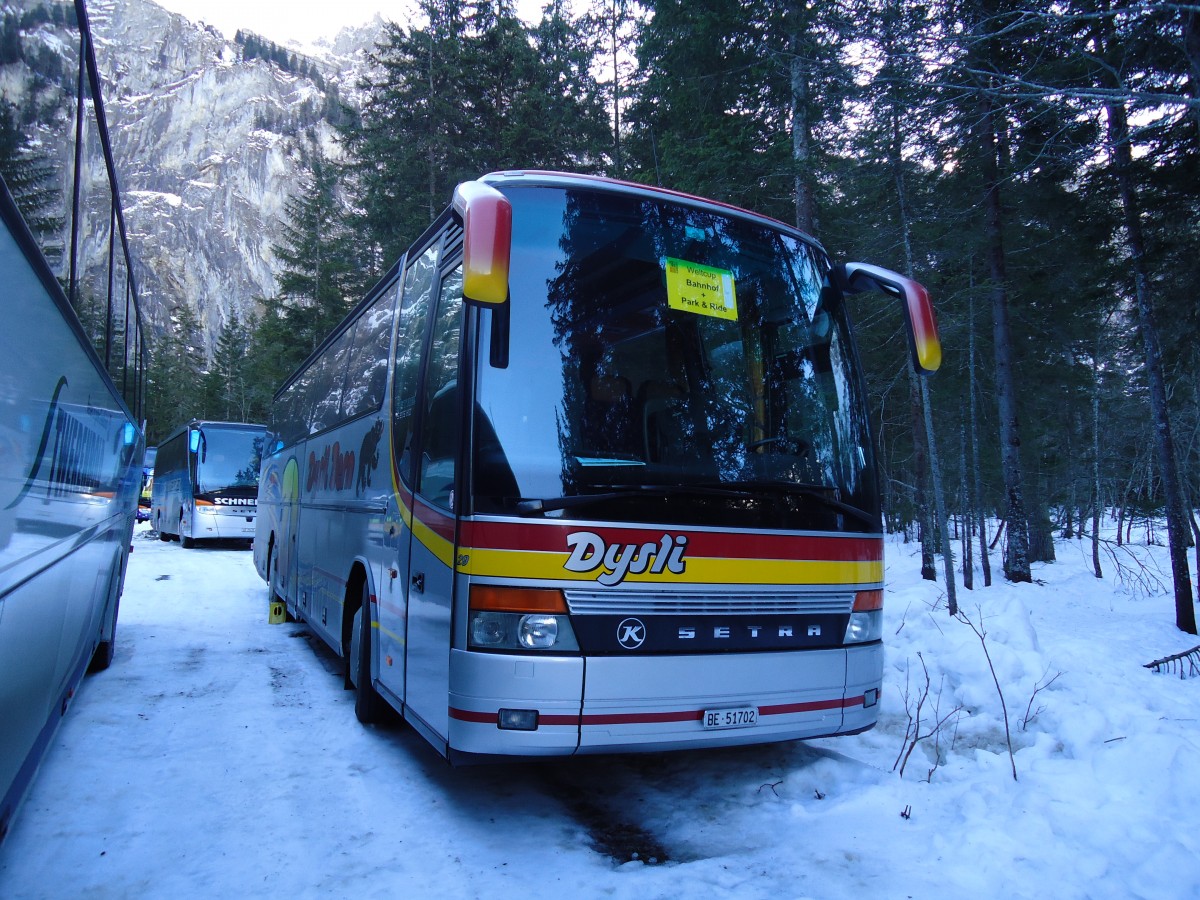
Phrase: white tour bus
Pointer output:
(206, 481)
(70, 436)
(591, 470)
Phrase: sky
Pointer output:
(219, 756)
(305, 21)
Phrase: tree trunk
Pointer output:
(939, 502)
(616, 25)
(928, 531)
(1191, 48)
(935, 469)
(1016, 560)
(1164, 445)
(801, 128)
(1096, 496)
(984, 559)
(968, 564)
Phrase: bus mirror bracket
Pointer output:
(924, 343)
(498, 356)
(487, 243)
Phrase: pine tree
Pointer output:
(316, 267)
(469, 92)
(175, 377)
(227, 385)
(31, 179)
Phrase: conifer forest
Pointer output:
(1036, 166)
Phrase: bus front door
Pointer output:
(431, 567)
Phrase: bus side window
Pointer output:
(367, 375)
(441, 424)
(410, 334)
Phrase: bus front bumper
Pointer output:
(228, 524)
(621, 704)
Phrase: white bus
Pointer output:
(205, 482)
(590, 470)
(70, 439)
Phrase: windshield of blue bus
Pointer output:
(670, 362)
(228, 459)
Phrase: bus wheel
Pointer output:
(102, 656)
(369, 707)
(185, 541)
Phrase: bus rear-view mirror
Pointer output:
(924, 343)
(487, 242)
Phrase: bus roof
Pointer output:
(549, 179)
(539, 176)
(208, 423)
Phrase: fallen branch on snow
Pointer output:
(1176, 663)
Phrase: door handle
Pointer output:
(418, 582)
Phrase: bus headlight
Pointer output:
(865, 626)
(866, 619)
(512, 618)
(537, 632)
(521, 631)
(489, 629)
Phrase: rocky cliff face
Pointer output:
(207, 145)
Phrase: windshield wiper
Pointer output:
(739, 491)
(818, 493)
(529, 507)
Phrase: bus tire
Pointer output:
(185, 540)
(369, 707)
(106, 649)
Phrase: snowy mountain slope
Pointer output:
(207, 144)
(207, 147)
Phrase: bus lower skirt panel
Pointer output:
(522, 706)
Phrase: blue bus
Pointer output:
(71, 442)
(205, 482)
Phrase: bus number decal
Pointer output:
(590, 552)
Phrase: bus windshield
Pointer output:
(228, 458)
(670, 362)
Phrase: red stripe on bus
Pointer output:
(718, 545)
(783, 709)
(467, 715)
(435, 520)
(655, 718)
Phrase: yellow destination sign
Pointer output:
(703, 290)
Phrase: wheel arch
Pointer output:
(360, 575)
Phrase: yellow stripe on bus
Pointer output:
(700, 570)
(434, 542)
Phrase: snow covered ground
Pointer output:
(219, 756)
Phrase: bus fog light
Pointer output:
(537, 632)
(518, 719)
(865, 626)
(489, 629)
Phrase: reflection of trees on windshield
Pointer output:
(228, 458)
(689, 396)
(626, 373)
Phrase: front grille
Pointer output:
(649, 603)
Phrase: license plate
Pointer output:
(742, 717)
